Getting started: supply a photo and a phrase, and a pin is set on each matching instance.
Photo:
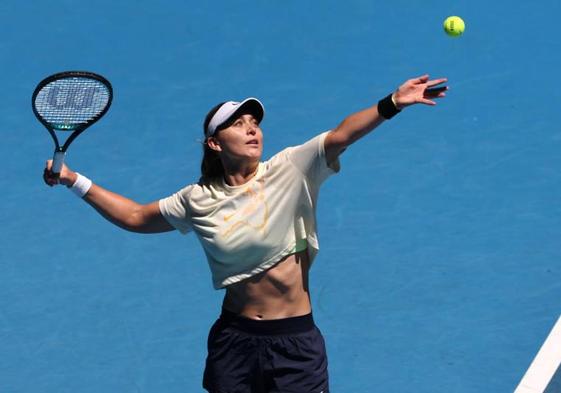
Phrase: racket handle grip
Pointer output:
(58, 160)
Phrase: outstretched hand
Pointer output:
(418, 91)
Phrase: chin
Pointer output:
(256, 157)
(255, 152)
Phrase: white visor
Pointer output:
(230, 108)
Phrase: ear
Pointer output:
(213, 143)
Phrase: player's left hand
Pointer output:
(418, 91)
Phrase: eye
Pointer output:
(237, 123)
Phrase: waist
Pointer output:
(269, 327)
(280, 292)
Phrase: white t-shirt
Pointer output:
(245, 230)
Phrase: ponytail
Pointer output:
(211, 165)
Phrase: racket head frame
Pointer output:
(78, 130)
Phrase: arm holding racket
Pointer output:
(70, 102)
(419, 90)
(117, 209)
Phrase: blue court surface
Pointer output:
(440, 261)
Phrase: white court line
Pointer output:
(545, 364)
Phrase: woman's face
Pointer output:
(241, 141)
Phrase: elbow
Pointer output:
(339, 139)
(146, 219)
(135, 222)
(335, 144)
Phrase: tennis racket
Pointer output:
(70, 101)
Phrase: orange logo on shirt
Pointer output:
(254, 207)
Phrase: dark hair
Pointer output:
(211, 166)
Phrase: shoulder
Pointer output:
(188, 189)
(314, 145)
(281, 156)
(181, 196)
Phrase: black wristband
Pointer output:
(386, 108)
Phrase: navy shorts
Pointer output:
(272, 356)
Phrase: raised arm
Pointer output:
(357, 125)
(117, 209)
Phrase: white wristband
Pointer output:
(81, 186)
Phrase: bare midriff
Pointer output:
(280, 292)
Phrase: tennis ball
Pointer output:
(454, 26)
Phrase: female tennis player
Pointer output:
(256, 222)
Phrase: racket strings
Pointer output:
(69, 102)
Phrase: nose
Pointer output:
(251, 129)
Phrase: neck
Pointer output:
(236, 176)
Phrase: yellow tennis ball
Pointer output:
(454, 26)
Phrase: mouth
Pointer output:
(252, 142)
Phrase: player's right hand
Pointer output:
(66, 176)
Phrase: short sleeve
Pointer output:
(176, 211)
(310, 159)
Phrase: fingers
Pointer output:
(427, 102)
(425, 79)
(428, 98)
(435, 92)
(49, 177)
(420, 79)
(421, 90)
(436, 82)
